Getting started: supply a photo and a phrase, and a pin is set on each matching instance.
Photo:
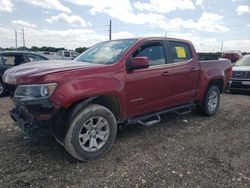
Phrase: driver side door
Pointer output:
(148, 89)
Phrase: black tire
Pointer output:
(2, 89)
(205, 108)
(79, 122)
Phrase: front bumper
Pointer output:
(240, 85)
(33, 116)
(27, 126)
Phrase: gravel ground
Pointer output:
(186, 151)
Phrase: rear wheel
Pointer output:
(211, 101)
(2, 89)
(92, 133)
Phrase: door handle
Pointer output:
(166, 73)
(193, 69)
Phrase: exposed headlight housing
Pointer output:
(34, 92)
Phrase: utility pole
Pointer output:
(16, 39)
(23, 38)
(110, 29)
(221, 49)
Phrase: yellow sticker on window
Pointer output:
(180, 51)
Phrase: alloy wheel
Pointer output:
(94, 134)
(213, 101)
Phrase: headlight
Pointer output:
(36, 91)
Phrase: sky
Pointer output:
(75, 23)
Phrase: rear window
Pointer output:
(180, 51)
(34, 57)
(66, 54)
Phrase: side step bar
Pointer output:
(183, 111)
(155, 117)
(150, 123)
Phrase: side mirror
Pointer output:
(139, 63)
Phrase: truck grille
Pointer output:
(237, 85)
(241, 74)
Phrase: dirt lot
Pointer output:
(187, 151)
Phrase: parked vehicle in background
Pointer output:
(232, 55)
(240, 80)
(67, 54)
(121, 81)
(60, 55)
(14, 58)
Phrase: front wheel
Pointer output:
(92, 133)
(211, 102)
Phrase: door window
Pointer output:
(154, 51)
(9, 60)
(12, 60)
(180, 51)
(66, 54)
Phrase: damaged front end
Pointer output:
(30, 116)
(33, 110)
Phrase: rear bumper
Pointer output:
(239, 85)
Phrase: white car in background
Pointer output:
(60, 55)
(240, 80)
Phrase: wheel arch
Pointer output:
(109, 101)
(219, 82)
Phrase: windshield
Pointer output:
(106, 52)
(245, 61)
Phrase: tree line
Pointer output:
(43, 48)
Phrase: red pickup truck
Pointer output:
(123, 81)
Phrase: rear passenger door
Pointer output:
(186, 72)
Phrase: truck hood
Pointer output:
(241, 68)
(38, 69)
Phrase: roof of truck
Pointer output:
(154, 38)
